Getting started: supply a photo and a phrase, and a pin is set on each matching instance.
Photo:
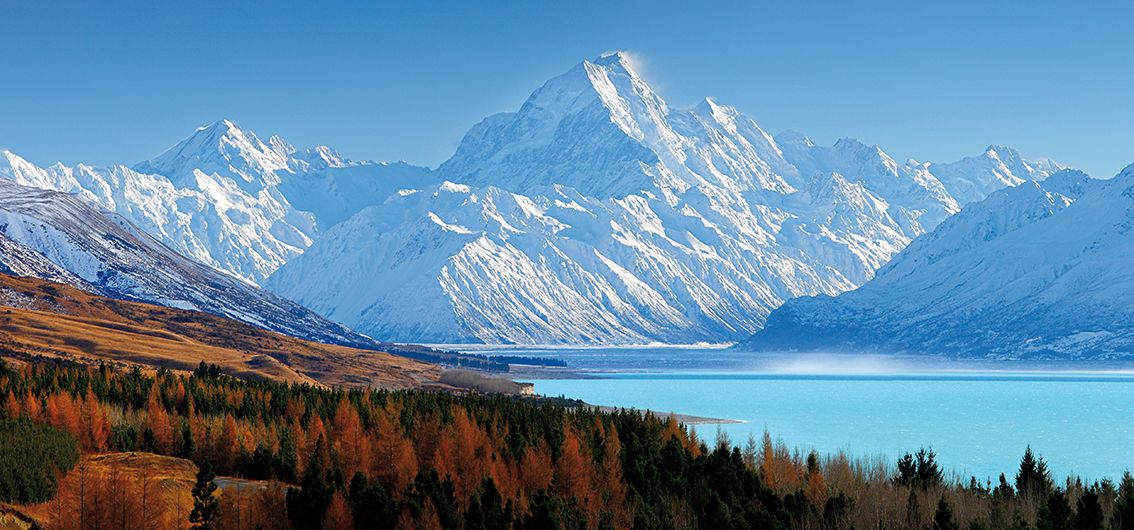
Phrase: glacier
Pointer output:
(598, 213)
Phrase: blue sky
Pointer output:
(103, 82)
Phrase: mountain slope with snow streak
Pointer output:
(1038, 271)
(597, 213)
(226, 198)
(61, 237)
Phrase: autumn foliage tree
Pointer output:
(358, 458)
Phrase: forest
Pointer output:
(336, 458)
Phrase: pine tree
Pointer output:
(1124, 508)
(913, 510)
(487, 510)
(919, 470)
(1055, 512)
(749, 453)
(1033, 479)
(307, 504)
(371, 504)
(205, 504)
(1089, 513)
(943, 518)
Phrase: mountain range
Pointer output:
(1038, 271)
(595, 213)
(225, 198)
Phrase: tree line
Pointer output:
(356, 458)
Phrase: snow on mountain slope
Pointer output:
(600, 129)
(20, 260)
(227, 199)
(597, 213)
(1004, 164)
(1036, 271)
(61, 237)
(334, 191)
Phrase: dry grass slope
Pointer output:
(42, 318)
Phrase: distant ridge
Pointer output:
(1038, 271)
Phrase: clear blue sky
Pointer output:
(103, 82)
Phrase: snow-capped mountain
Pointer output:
(226, 198)
(598, 213)
(1003, 164)
(1040, 270)
(61, 237)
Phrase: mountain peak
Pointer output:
(320, 157)
(223, 124)
(223, 148)
(610, 67)
(1127, 172)
(221, 130)
(10, 157)
(618, 59)
(793, 138)
(855, 144)
(1002, 152)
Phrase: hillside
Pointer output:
(60, 237)
(48, 319)
(1039, 271)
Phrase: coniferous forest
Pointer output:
(341, 459)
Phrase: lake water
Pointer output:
(978, 418)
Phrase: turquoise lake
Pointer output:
(978, 418)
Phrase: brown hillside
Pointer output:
(40, 318)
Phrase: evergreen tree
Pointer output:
(544, 514)
(919, 470)
(913, 510)
(430, 486)
(186, 447)
(1089, 513)
(285, 461)
(749, 452)
(372, 506)
(307, 505)
(487, 510)
(943, 517)
(1003, 489)
(1055, 512)
(1033, 479)
(836, 511)
(259, 466)
(1124, 507)
(31, 458)
(1001, 512)
(206, 506)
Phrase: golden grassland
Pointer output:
(53, 320)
